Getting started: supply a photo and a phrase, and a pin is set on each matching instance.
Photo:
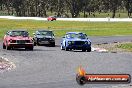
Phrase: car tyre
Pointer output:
(70, 49)
(4, 47)
(53, 44)
(8, 47)
(89, 50)
(66, 49)
(83, 50)
(62, 48)
(29, 48)
(35, 44)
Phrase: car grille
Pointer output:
(27, 41)
(23, 41)
(13, 41)
(79, 42)
(44, 39)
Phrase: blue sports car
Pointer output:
(76, 41)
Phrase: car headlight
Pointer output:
(72, 42)
(69, 42)
(10, 40)
(52, 39)
(39, 39)
(87, 42)
(31, 41)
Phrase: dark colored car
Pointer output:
(44, 37)
(51, 18)
(17, 39)
(76, 41)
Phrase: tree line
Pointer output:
(65, 8)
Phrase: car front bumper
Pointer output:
(46, 42)
(79, 47)
(15, 45)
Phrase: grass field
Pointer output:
(61, 27)
(127, 46)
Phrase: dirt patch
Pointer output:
(6, 65)
(123, 86)
(112, 47)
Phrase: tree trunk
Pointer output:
(8, 8)
(84, 14)
(12, 11)
(114, 12)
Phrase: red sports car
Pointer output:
(17, 39)
(51, 18)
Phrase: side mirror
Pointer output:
(63, 37)
(54, 34)
(33, 33)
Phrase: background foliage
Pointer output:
(67, 8)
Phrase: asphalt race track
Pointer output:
(50, 67)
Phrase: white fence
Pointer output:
(72, 19)
(22, 18)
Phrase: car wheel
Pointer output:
(89, 50)
(35, 44)
(8, 47)
(4, 47)
(38, 44)
(62, 48)
(53, 44)
(70, 49)
(66, 49)
(29, 48)
(84, 50)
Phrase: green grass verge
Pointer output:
(127, 46)
(61, 27)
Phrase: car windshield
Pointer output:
(76, 35)
(46, 33)
(53, 16)
(19, 33)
